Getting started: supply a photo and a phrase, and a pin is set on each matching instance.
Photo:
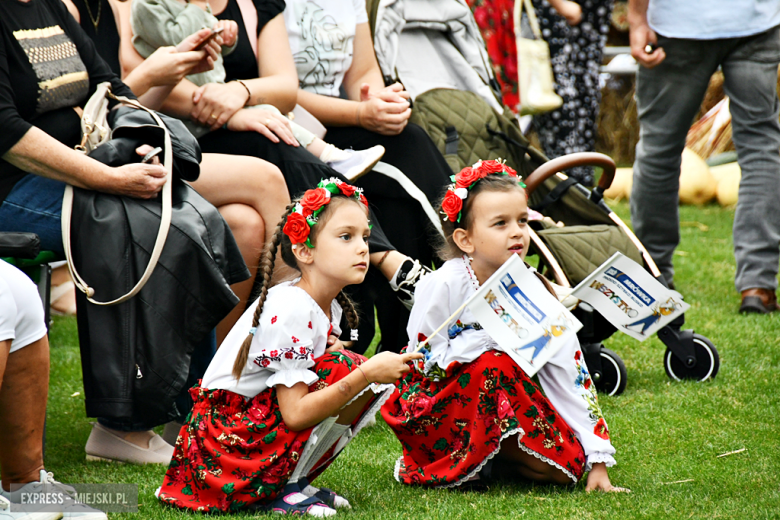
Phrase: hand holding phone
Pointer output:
(151, 155)
(214, 34)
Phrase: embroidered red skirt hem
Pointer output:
(232, 452)
(450, 428)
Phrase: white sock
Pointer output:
(332, 154)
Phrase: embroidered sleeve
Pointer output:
(568, 385)
(283, 345)
(431, 308)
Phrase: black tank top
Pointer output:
(241, 63)
(107, 32)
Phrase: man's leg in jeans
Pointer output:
(668, 97)
(750, 72)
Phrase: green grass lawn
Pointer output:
(668, 435)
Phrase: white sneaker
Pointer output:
(357, 162)
(6, 514)
(70, 509)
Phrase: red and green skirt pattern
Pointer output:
(450, 428)
(232, 452)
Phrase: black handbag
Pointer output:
(136, 349)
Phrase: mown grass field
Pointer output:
(668, 435)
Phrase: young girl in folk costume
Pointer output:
(468, 411)
(282, 397)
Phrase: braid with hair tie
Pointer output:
(349, 310)
(260, 286)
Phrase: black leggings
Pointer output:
(412, 152)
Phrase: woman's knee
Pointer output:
(273, 178)
(246, 224)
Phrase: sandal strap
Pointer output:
(327, 497)
(281, 505)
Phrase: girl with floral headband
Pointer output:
(468, 412)
(282, 397)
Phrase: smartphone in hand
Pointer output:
(214, 34)
(151, 155)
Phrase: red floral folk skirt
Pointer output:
(450, 428)
(232, 453)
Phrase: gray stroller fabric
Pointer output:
(428, 44)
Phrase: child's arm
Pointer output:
(570, 389)
(302, 409)
(568, 9)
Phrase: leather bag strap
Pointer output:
(162, 233)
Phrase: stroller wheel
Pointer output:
(611, 379)
(707, 362)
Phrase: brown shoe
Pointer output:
(759, 301)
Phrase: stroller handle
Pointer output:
(550, 168)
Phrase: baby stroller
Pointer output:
(435, 49)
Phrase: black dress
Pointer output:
(97, 20)
(576, 54)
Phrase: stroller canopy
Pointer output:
(429, 44)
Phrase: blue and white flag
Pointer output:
(518, 312)
(630, 298)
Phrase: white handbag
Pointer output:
(534, 72)
(95, 132)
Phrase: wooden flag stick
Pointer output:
(454, 315)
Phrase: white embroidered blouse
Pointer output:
(564, 378)
(292, 332)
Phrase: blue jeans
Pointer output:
(34, 205)
(668, 97)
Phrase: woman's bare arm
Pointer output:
(364, 69)
(39, 153)
(371, 105)
(276, 84)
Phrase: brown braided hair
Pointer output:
(349, 309)
(264, 273)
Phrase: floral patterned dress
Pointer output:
(466, 397)
(576, 54)
(235, 451)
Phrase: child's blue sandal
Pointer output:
(287, 503)
(325, 495)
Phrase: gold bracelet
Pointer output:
(364, 374)
(249, 92)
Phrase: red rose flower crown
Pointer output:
(452, 205)
(308, 209)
